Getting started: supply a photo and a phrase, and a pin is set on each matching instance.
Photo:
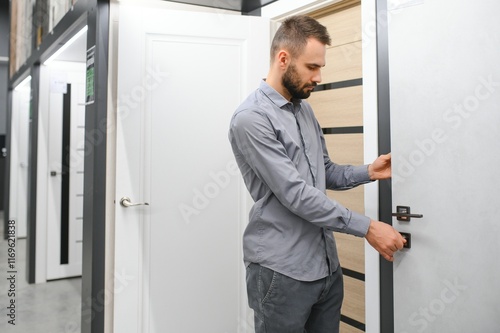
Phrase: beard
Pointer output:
(291, 81)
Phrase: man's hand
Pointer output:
(380, 168)
(385, 239)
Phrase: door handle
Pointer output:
(403, 214)
(55, 173)
(406, 236)
(125, 202)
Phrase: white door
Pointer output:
(178, 260)
(445, 118)
(18, 192)
(65, 165)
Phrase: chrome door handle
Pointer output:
(403, 214)
(125, 202)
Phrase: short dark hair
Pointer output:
(294, 32)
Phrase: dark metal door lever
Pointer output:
(403, 214)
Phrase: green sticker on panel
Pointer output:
(90, 86)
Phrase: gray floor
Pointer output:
(52, 307)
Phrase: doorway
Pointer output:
(59, 212)
(338, 106)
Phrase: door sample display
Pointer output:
(180, 204)
(444, 98)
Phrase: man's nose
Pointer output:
(317, 77)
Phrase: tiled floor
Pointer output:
(52, 307)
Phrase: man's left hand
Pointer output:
(380, 168)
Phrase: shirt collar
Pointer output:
(275, 96)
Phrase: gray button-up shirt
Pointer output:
(281, 152)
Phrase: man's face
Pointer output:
(304, 72)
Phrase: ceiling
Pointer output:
(244, 6)
(77, 51)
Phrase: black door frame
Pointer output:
(384, 146)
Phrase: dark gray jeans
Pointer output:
(284, 305)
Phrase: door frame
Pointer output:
(378, 199)
(384, 146)
(376, 130)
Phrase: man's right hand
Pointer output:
(385, 239)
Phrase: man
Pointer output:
(294, 280)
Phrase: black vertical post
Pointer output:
(5, 14)
(94, 210)
(65, 175)
(384, 146)
(32, 173)
(8, 139)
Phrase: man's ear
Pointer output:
(283, 59)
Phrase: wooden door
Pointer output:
(337, 103)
